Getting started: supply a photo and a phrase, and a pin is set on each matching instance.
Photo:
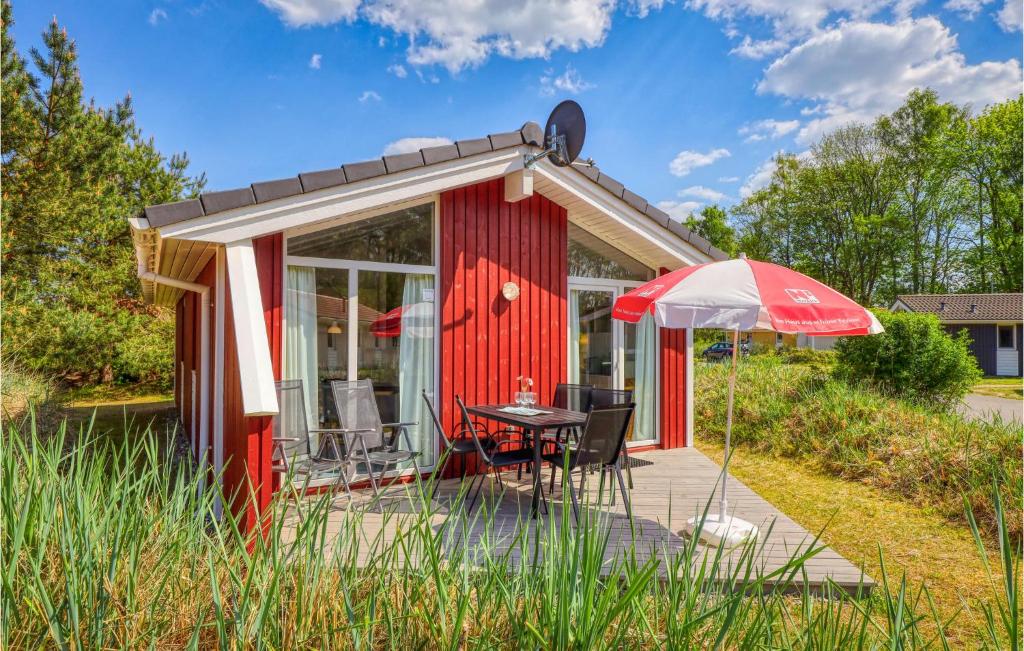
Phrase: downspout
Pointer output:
(204, 351)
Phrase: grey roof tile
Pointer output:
(270, 190)
(589, 171)
(312, 181)
(657, 214)
(400, 162)
(364, 170)
(474, 146)
(532, 134)
(439, 154)
(507, 139)
(610, 184)
(169, 213)
(634, 199)
(227, 199)
(967, 307)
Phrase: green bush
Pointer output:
(914, 358)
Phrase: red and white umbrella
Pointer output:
(746, 294)
(736, 295)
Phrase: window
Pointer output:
(400, 237)
(359, 303)
(591, 257)
(1005, 336)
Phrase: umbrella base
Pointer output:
(727, 532)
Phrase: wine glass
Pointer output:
(531, 398)
(519, 398)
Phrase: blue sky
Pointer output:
(686, 102)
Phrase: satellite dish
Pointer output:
(563, 135)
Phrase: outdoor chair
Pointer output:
(357, 412)
(600, 444)
(607, 398)
(459, 446)
(494, 459)
(575, 397)
(292, 447)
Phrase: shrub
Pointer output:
(914, 358)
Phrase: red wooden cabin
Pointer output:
(400, 269)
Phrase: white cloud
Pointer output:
(463, 33)
(156, 16)
(769, 128)
(793, 19)
(407, 145)
(702, 192)
(679, 210)
(301, 13)
(315, 61)
(398, 70)
(686, 161)
(751, 49)
(1010, 16)
(369, 96)
(569, 81)
(857, 71)
(427, 79)
(967, 9)
(761, 177)
(728, 179)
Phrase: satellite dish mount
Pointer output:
(563, 136)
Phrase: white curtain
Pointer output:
(574, 336)
(645, 389)
(416, 362)
(300, 337)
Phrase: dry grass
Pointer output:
(860, 522)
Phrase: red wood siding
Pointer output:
(487, 341)
(672, 393)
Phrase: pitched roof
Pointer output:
(210, 203)
(967, 307)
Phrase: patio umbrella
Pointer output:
(418, 318)
(744, 295)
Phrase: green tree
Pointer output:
(713, 225)
(72, 173)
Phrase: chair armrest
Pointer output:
(282, 439)
(341, 431)
(395, 425)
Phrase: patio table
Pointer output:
(554, 418)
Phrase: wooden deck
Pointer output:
(670, 487)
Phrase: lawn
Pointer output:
(1000, 387)
(860, 522)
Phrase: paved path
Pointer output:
(986, 407)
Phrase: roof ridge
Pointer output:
(530, 134)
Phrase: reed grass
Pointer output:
(107, 544)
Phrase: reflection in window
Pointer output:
(394, 343)
(400, 237)
(590, 257)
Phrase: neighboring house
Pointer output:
(994, 322)
(452, 269)
(816, 343)
(771, 340)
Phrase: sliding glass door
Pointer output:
(611, 354)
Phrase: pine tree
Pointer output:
(72, 174)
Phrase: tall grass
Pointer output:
(108, 545)
(927, 456)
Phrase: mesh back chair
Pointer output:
(368, 444)
(493, 459)
(293, 451)
(607, 398)
(458, 446)
(600, 444)
(575, 397)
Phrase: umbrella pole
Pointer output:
(723, 504)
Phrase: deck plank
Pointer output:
(676, 485)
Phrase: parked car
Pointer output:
(723, 350)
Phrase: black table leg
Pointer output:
(535, 509)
